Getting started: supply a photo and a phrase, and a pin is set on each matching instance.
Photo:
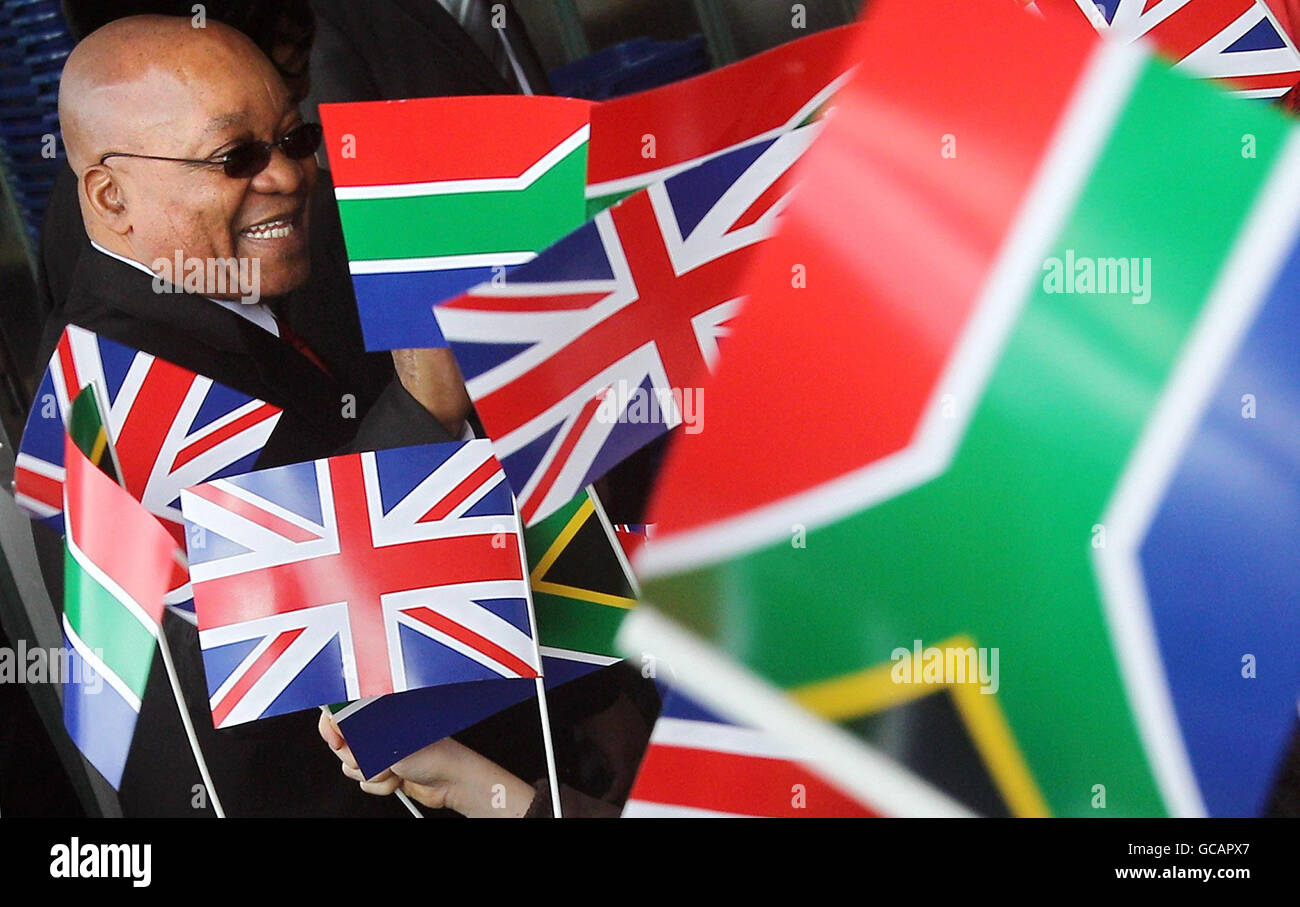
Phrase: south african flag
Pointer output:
(1018, 504)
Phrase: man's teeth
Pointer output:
(276, 229)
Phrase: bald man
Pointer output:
(187, 148)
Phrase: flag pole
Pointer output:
(181, 706)
(551, 775)
(410, 807)
(614, 542)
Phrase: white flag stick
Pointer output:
(546, 742)
(165, 650)
(411, 807)
(613, 540)
(551, 774)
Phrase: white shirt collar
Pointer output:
(255, 312)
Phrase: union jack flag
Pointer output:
(357, 576)
(168, 429)
(1238, 40)
(631, 536)
(585, 354)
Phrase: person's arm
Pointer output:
(443, 775)
(450, 775)
(425, 404)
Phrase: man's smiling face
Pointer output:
(216, 92)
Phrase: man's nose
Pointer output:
(284, 175)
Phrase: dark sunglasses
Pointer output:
(251, 158)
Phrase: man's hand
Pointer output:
(432, 377)
(445, 774)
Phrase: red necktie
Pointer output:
(287, 334)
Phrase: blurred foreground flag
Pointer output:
(596, 347)
(119, 560)
(650, 136)
(1240, 41)
(356, 576)
(439, 194)
(1025, 468)
(698, 765)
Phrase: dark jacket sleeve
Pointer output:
(397, 420)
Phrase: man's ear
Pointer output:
(106, 199)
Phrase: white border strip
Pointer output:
(456, 187)
(439, 262)
(1259, 253)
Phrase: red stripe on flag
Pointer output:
(457, 495)
(153, 413)
(1191, 26)
(434, 139)
(253, 513)
(736, 783)
(576, 302)
(71, 381)
(764, 203)
(40, 488)
(715, 111)
(561, 457)
(209, 441)
(446, 625)
(1278, 80)
(221, 711)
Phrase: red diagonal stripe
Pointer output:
(501, 656)
(153, 412)
(259, 667)
(732, 783)
(457, 495)
(209, 441)
(71, 382)
(561, 457)
(1195, 24)
(253, 513)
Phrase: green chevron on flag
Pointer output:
(989, 372)
(439, 194)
